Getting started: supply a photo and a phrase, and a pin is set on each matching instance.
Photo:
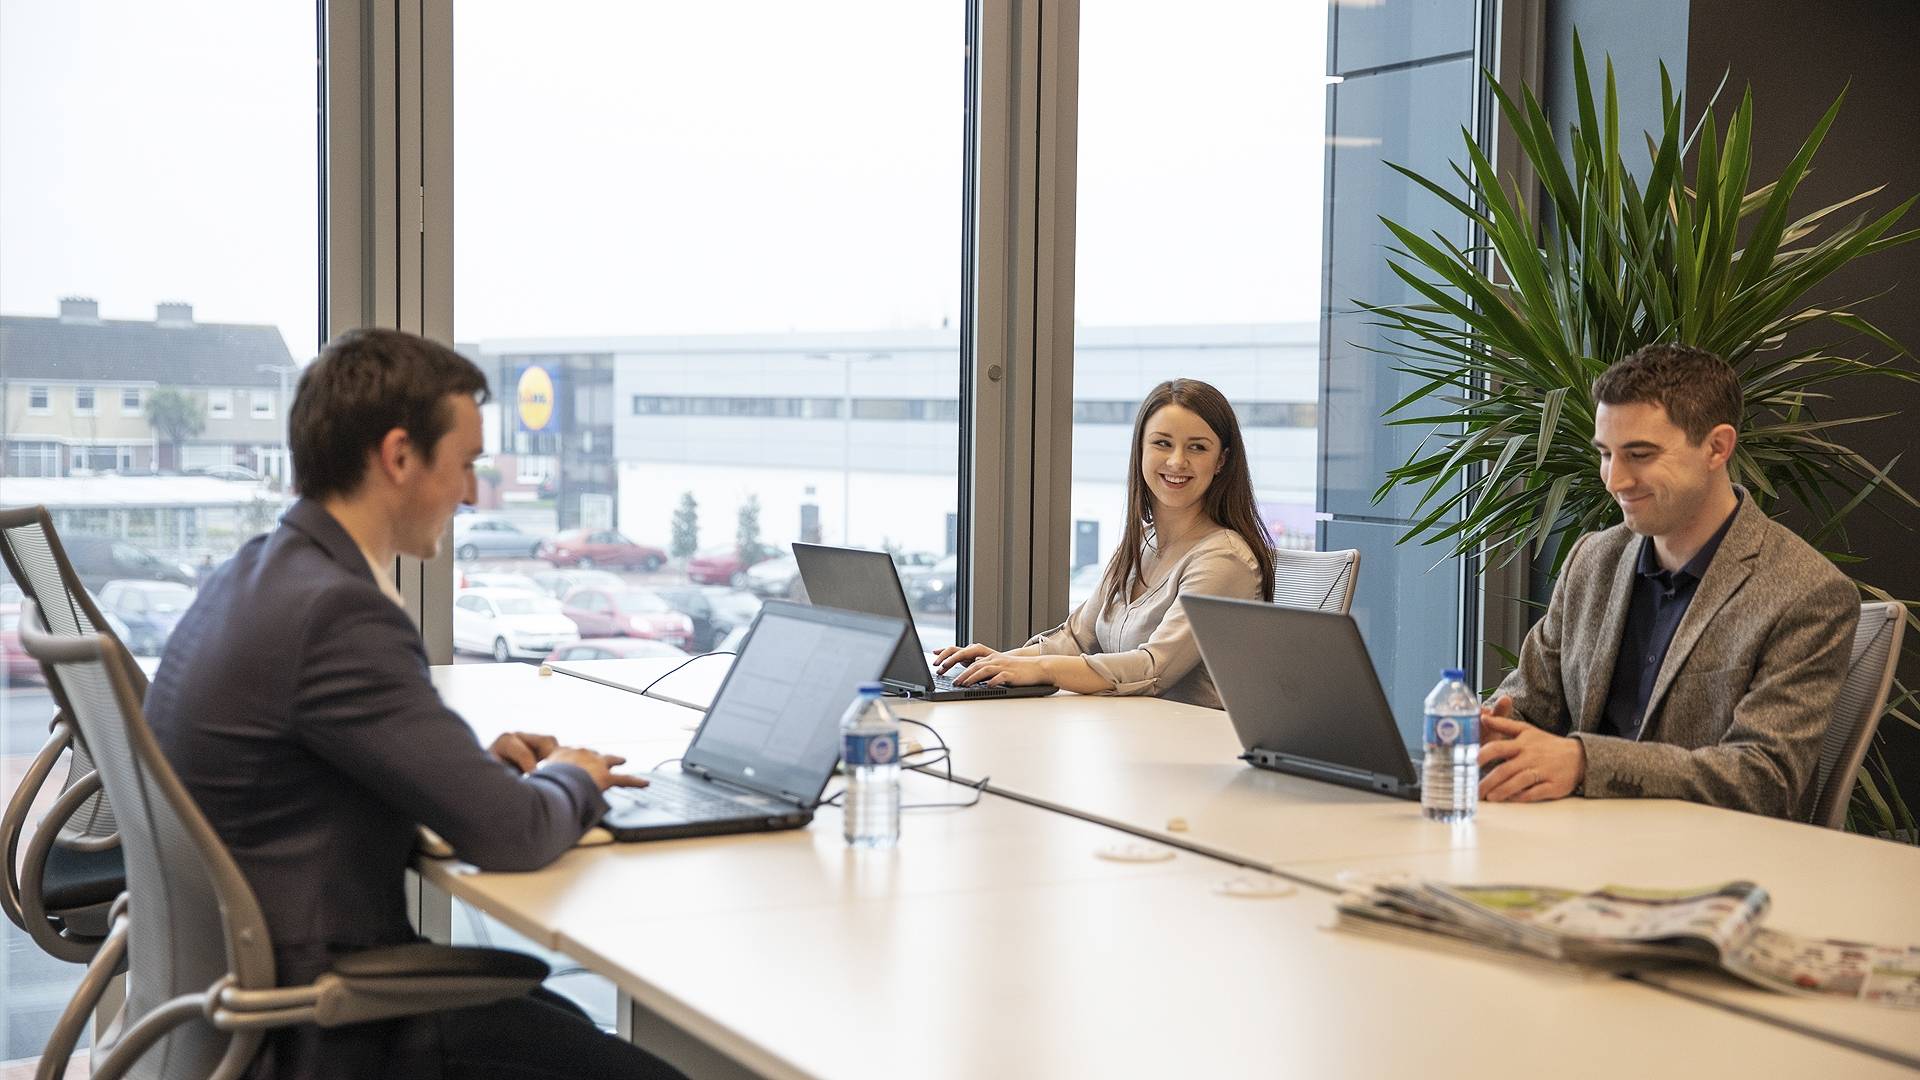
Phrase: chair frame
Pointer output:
(245, 1001)
(1838, 792)
(20, 889)
(1350, 575)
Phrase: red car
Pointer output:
(598, 547)
(19, 667)
(626, 613)
(728, 565)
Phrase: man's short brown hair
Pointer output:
(1699, 390)
(366, 383)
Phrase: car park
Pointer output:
(476, 536)
(728, 565)
(509, 624)
(777, 579)
(100, 559)
(935, 589)
(150, 610)
(627, 612)
(912, 566)
(615, 648)
(495, 579)
(14, 661)
(587, 548)
(714, 611)
(558, 583)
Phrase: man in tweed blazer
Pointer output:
(1695, 650)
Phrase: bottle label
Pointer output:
(1452, 730)
(880, 748)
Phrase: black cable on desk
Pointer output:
(648, 690)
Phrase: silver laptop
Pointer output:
(866, 581)
(1302, 693)
(771, 738)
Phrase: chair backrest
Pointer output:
(39, 565)
(1320, 580)
(194, 918)
(1856, 714)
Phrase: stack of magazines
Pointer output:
(1622, 929)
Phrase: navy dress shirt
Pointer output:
(1660, 601)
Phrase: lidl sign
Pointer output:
(536, 398)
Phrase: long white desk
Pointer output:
(1024, 946)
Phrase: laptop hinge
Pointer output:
(1310, 767)
(900, 689)
(707, 775)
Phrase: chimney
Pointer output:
(175, 314)
(79, 309)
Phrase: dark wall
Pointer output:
(1798, 57)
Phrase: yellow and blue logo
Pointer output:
(536, 398)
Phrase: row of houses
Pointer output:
(77, 394)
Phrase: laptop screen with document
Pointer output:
(774, 725)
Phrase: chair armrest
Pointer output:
(65, 944)
(13, 823)
(380, 984)
(423, 959)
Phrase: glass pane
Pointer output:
(1199, 233)
(158, 192)
(711, 264)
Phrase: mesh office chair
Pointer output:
(73, 869)
(200, 983)
(1320, 580)
(1856, 715)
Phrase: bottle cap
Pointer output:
(1454, 673)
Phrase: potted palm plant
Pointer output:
(1509, 338)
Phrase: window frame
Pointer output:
(92, 407)
(139, 401)
(219, 403)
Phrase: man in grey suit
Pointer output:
(294, 701)
(1695, 650)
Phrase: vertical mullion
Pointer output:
(1051, 449)
(434, 247)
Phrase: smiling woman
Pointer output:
(1191, 528)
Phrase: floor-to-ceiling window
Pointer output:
(710, 257)
(159, 291)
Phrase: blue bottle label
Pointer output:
(1452, 730)
(875, 749)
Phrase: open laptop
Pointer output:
(770, 739)
(866, 581)
(1302, 694)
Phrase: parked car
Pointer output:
(151, 609)
(100, 559)
(495, 579)
(912, 566)
(1081, 585)
(728, 565)
(777, 578)
(935, 590)
(626, 612)
(14, 661)
(714, 611)
(599, 547)
(477, 537)
(615, 648)
(227, 472)
(558, 583)
(509, 624)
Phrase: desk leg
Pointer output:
(432, 909)
(643, 1027)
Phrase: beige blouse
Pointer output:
(1147, 646)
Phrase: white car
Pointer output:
(778, 578)
(510, 624)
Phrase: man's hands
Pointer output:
(526, 751)
(523, 750)
(1523, 763)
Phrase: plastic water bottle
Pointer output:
(870, 746)
(1450, 778)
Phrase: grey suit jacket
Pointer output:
(1743, 699)
(294, 702)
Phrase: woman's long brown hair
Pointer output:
(1229, 498)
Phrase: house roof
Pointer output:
(116, 350)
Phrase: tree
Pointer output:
(686, 526)
(175, 417)
(747, 536)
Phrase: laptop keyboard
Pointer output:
(683, 799)
(943, 683)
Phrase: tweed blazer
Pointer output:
(1744, 696)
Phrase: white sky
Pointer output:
(633, 168)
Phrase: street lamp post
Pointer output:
(846, 433)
